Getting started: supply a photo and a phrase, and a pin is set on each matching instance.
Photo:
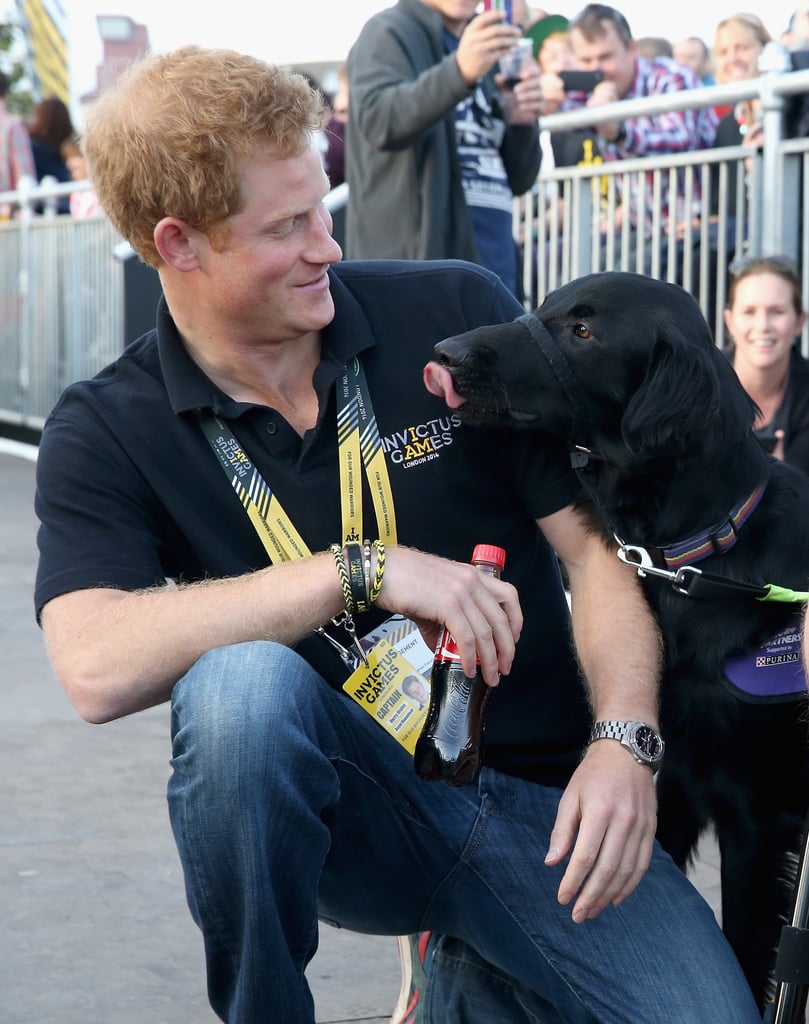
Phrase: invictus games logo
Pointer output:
(415, 445)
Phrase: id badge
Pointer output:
(394, 687)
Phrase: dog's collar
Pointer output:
(713, 540)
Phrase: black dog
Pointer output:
(624, 369)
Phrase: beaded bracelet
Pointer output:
(376, 586)
(366, 552)
(356, 577)
(345, 581)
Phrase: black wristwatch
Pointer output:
(643, 741)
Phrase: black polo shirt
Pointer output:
(129, 492)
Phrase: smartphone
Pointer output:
(499, 5)
(580, 81)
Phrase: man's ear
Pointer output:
(177, 243)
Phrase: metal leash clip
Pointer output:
(639, 558)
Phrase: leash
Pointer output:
(694, 582)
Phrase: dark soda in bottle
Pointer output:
(450, 743)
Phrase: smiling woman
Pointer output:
(763, 318)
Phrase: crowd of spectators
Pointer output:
(436, 152)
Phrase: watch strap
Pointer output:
(625, 733)
(609, 729)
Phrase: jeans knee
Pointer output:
(238, 697)
(250, 728)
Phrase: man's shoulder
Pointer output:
(403, 17)
(117, 384)
(419, 299)
(401, 273)
(663, 75)
(421, 285)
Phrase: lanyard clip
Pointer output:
(346, 622)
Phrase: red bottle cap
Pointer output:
(489, 553)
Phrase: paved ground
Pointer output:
(95, 928)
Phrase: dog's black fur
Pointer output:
(663, 409)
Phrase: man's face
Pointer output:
(268, 276)
(691, 54)
(417, 690)
(606, 53)
(555, 54)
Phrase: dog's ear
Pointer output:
(690, 399)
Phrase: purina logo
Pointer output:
(415, 445)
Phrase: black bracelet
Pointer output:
(356, 576)
(345, 581)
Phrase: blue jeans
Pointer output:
(289, 804)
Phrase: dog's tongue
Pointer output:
(438, 381)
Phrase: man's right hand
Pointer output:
(484, 41)
(481, 612)
(603, 94)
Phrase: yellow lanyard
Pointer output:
(359, 444)
(358, 436)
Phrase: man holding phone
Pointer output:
(602, 41)
(434, 156)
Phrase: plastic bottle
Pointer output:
(450, 743)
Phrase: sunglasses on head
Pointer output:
(782, 264)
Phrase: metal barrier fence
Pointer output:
(61, 289)
(569, 225)
(62, 286)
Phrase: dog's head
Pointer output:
(610, 360)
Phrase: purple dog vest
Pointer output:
(774, 672)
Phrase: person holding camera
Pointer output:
(438, 145)
(602, 40)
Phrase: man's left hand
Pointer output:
(528, 96)
(607, 816)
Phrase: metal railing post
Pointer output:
(773, 104)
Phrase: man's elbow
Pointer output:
(93, 693)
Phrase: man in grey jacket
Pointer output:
(437, 146)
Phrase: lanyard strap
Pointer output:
(359, 444)
(281, 540)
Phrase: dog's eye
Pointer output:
(582, 331)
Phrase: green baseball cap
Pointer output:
(543, 28)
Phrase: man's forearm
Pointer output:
(117, 652)
(617, 641)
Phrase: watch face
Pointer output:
(648, 743)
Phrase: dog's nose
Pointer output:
(464, 350)
(446, 353)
